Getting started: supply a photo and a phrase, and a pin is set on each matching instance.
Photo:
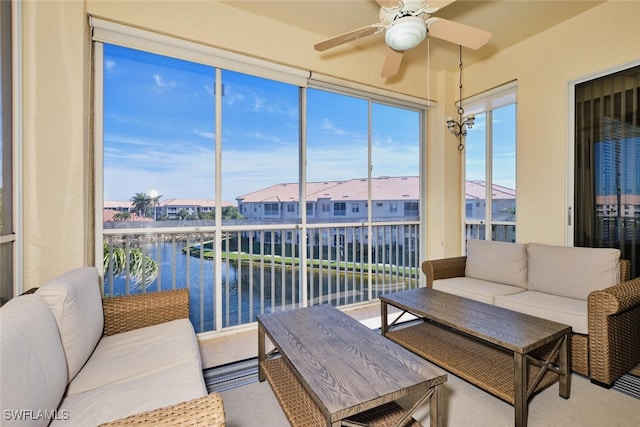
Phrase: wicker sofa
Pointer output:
(71, 358)
(587, 288)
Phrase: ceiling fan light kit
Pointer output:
(405, 33)
(405, 24)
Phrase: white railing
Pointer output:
(263, 268)
(501, 231)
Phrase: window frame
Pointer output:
(12, 95)
(487, 102)
(119, 34)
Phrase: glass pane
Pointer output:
(395, 152)
(6, 226)
(6, 167)
(158, 139)
(475, 169)
(607, 164)
(504, 164)
(260, 145)
(6, 272)
(337, 157)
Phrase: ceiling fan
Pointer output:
(405, 24)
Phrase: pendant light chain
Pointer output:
(459, 128)
(460, 109)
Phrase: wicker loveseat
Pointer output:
(587, 288)
(70, 358)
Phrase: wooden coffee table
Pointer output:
(509, 354)
(329, 369)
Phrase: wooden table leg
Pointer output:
(261, 352)
(436, 411)
(565, 372)
(520, 401)
(384, 327)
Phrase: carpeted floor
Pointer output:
(254, 405)
(227, 377)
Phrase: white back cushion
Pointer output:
(76, 303)
(498, 262)
(32, 362)
(571, 271)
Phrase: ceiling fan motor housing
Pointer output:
(405, 33)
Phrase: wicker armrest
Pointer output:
(444, 269)
(618, 298)
(205, 411)
(614, 328)
(124, 313)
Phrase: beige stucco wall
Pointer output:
(54, 140)
(604, 37)
(57, 193)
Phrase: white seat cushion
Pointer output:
(76, 303)
(475, 289)
(129, 354)
(569, 311)
(32, 362)
(497, 262)
(158, 388)
(571, 271)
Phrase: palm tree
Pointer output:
(141, 202)
(115, 260)
(122, 216)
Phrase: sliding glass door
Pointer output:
(607, 164)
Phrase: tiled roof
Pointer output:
(383, 188)
(108, 214)
(476, 189)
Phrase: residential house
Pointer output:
(336, 201)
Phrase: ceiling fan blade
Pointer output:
(348, 37)
(461, 34)
(432, 3)
(440, 3)
(388, 3)
(392, 63)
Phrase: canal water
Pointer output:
(248, 289)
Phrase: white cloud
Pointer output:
(329, 126)
(161, 83)
(206, 135)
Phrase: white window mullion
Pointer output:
(488, 234)
(302, 197)
(98, 151)
(218, 197)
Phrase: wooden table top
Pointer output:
(346, 367)
(509, 329)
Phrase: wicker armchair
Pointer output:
(125, 313)
(611, 348)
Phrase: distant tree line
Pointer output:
(144, 205)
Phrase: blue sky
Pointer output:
(159, 131)
(503, 154)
